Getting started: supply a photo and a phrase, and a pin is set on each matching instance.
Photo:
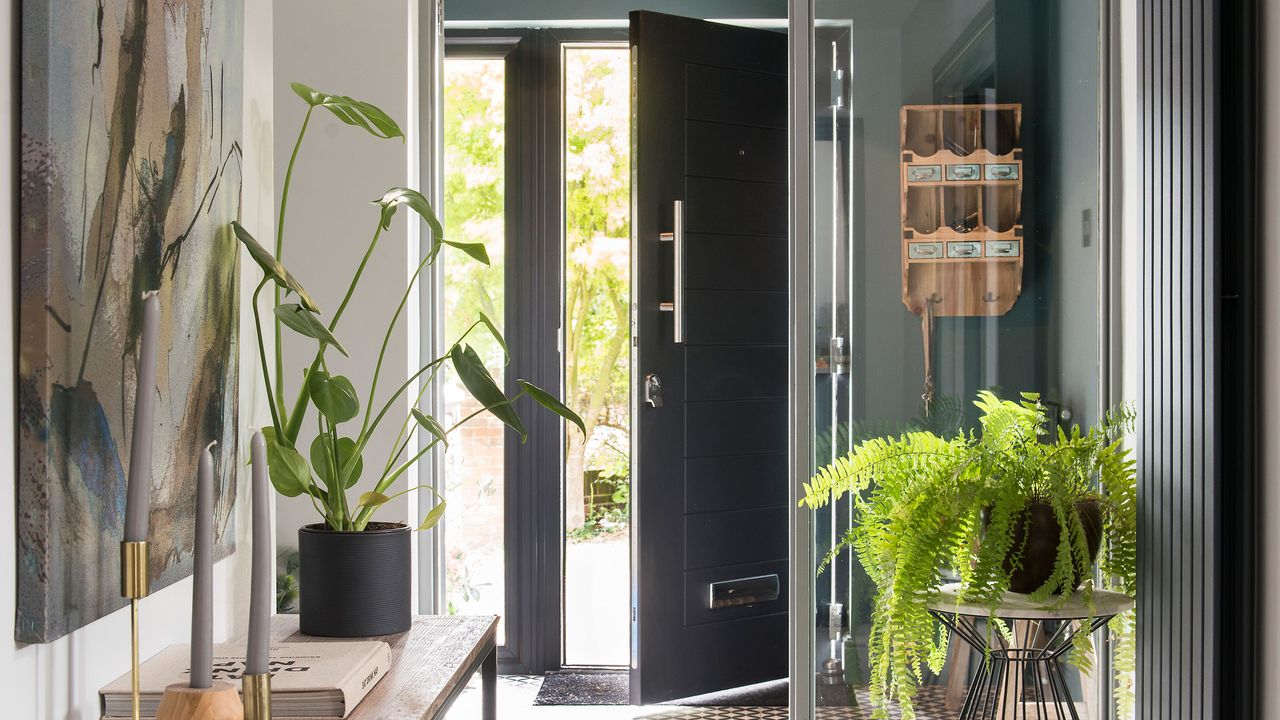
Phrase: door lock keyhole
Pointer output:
(653, 390)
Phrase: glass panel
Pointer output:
(597, 167)
(956, 203)
(474, 128)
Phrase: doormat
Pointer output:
(584, 688)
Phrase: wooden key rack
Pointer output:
(962, 242)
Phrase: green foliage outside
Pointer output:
(597, 280)
(474, 191)
(287, 588)
(597, 166)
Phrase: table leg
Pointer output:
(957, 673)
(489, 686)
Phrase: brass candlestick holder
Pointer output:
(135, 584)
(257, 696)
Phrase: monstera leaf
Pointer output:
(302, 320)
(351, 111)
(273, 267)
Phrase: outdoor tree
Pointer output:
(597, 241)
(597, 237)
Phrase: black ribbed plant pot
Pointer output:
(354, 584)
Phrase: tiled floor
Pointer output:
(517, 692)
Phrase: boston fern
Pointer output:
(929, 506)
(334, 462)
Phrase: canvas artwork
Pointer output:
(130, 175)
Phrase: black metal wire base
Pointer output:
(1023, 680)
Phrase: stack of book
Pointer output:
(308, 680)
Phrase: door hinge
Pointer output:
(837, 88)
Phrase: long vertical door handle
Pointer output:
(677, 237)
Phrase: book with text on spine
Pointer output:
(308, 679)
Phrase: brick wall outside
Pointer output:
(474, 528)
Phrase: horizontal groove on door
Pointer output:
(735, 482)
(735, 262)
(736, 373)
(729, 427)
(719, 94)
(735, 152)
(734, 317)
(697, 584)
(735, 207)
(735, 538)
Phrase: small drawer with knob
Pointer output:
(1003, 248)
(964, 172)
(1000, 171)
(924, 250)
(924, 173)
(964, 249)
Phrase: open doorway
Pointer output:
(597, 330)
(557, 144)
(536, 140)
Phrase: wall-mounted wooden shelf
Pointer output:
(962, 238)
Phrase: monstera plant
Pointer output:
(331, 470)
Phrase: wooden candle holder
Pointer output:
(221, 701)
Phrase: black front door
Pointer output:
(710, 292)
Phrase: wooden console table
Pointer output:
(430, 665)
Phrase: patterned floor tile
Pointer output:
(517, 692)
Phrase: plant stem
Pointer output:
(386, 481)
(386, 339)
(330, 518)
(341, 483)
(300, 404)
(404, 426)
(371, 508)
(262, 357)
(284, 203)
(416, 487)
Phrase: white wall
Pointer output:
(361, 50)
(61, 679)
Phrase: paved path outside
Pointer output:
(597, 602)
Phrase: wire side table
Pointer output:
(1024, 678)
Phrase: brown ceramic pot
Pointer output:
(1042, 532)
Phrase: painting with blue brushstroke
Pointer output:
(130, 176)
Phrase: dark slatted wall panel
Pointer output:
(1197, 440)
(1178, 569)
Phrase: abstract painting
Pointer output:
(130, 175)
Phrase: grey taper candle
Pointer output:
(137, 509)
(202, 587)
(260, 588)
